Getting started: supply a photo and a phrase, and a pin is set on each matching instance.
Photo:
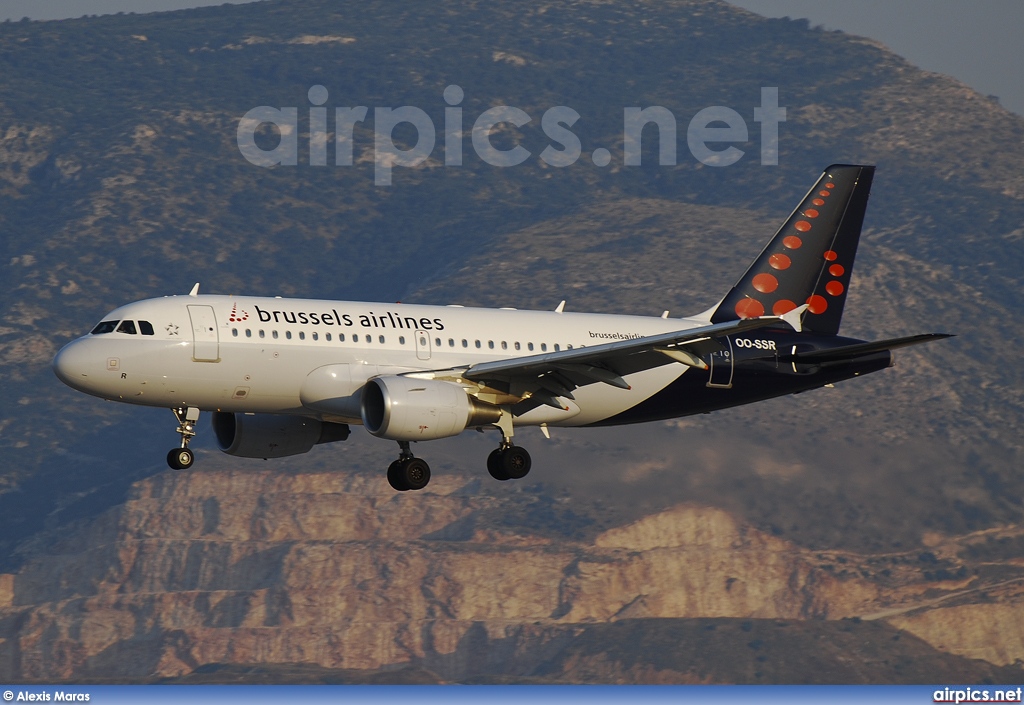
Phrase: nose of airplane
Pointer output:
(71, 364)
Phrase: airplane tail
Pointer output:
(810, 259)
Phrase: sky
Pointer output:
(976, 41)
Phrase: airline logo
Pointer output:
(367, 320)
(238, 315)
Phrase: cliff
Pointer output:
(337, 571)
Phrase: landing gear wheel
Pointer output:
(180, 458)
(408, 474)
(395, 476)
(516, 462)
(495, 466)
(415, 473)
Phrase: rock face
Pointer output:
(338, 571)
(993, 632)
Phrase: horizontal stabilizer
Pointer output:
(849, 351)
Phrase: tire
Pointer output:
(395, 477)
(495, 466)
(180, 458)
(516, 462)
(415, 473)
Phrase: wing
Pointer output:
(848, 352)
(527, 382)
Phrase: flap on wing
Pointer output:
(558, 373)
(849, 351)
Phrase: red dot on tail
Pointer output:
(830, 185)
(792, 242)
(836, 270)
(802, 225)
(826, 194)
(765, 283)
(811, 213)
(817, 304)
(834, 288)
(749, 308)
(779, 261)
(831, 255)
(783, 306)
(818, 202)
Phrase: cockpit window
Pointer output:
(104, 327)
(127, 327)
(145, 327)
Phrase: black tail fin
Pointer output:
(810, 259)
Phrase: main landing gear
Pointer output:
(508, 461)
(182, 458)
(408, 472)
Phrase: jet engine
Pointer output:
(410, 409)
(272, 435)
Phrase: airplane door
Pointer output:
(205, 338)
(422, 345)
(720, 364)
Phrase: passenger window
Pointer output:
(451, 342)
(529, 346)
(248, 333)
(328, 335)
(557, 348)
(504, 345)
(490, 344)
(477, 343)
(127, 327)
(302, 335)
(341, 337)
(234, 332)
(369, 339)
(146, 328)
(544, 347)
(517, 346)
(401, 340)
(316, 336)
(273, 334)
(381, 339)
(104, 327)
(437, 342)
(465, 343)
(262, 334)
(288, 334)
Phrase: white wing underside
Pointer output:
(523, 383)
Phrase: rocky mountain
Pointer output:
(894, 500)
(335, 571)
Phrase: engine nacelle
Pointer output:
(272, 435)
(410, 409)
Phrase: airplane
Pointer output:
(283, 375)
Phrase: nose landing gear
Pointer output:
(182, 458)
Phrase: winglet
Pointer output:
(560, 307)
(195, 290)
(793, 317)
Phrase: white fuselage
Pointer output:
(252, 354)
